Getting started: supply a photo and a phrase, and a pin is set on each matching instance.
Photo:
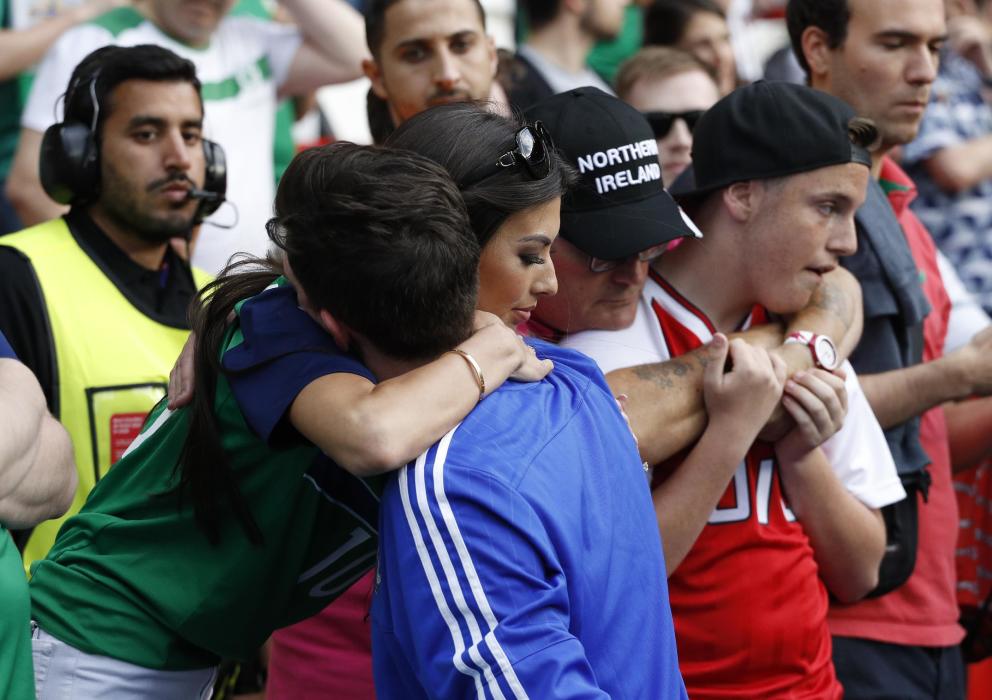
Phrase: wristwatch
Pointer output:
(823, 349)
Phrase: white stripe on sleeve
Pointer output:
(432, 578)
(450, 575)
(475, 584)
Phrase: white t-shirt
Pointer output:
(967, 316)
(858, 452)
(240, 70)
(560, 79)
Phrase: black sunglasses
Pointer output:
(662, 122)
(531, 147)
(647, 255)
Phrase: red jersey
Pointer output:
(749, 607)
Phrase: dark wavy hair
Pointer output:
(832, 16)
(380, 239)
(105, 68)
(466, 138)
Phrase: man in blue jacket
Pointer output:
(520, 556)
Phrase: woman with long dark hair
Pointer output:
(513, 205)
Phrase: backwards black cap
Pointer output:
(618, 208)
(772, 129)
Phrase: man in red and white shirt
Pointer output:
(779, 173)
(881, 57)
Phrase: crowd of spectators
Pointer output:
(608, 369)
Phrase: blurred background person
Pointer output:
(424, 53)
(27, 30)
(882, 57)
(554, 56)
(607, 55)
(698, 27)
(950, 161)
(672, 89)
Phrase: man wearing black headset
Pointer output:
(94, 302)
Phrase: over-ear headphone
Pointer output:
(214, 180)
(70, 162)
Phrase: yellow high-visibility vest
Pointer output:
(112, 361)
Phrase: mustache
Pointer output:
(448, 95)
(169, 179)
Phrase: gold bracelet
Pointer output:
(475, 368)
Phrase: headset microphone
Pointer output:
(205, 195)
(214, 181)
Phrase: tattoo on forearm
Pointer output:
(829, 298)
(662, 374)
(702, 358)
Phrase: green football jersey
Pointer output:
(132, 577)
(16, 672)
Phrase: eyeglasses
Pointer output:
(662, 122)
(646, 255)
(531, 146)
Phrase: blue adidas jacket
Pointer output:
(520, 556)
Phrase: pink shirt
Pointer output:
(328, 655)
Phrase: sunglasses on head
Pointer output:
(662, 122)
(530, 150)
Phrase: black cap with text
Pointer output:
(618, 208)
(772, 129)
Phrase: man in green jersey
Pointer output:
(37, 480)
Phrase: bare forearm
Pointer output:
(21, 413)
(969, 424)
(963, 165)
(21, 49)
(901, 394)
(847, 537)
(406, 415)
(665, 401)
(664, 404)
(370, 429)
(37, 469)
(335, 30)
(49, 483)
(670, 395)
(834, 310)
